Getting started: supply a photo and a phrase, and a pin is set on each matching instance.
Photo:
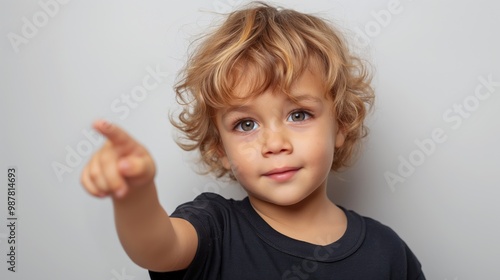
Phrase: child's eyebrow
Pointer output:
(236, 109)
(307, 97)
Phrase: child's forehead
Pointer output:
(250, 101)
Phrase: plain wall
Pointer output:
(429, 168)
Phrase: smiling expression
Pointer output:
(280, 150)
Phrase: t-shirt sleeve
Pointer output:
(207, 214)
(414, 267)
(401, 260)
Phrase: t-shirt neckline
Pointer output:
(346, 245)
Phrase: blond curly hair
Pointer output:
(277, 44)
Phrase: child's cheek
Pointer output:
(246, 147)
(247, 151)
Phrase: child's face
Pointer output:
(280, 151)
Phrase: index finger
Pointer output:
(117, 136)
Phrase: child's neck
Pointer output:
(315, 219)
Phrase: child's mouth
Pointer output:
(282, 174)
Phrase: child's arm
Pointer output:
(124, 169)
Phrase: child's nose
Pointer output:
(275, 141)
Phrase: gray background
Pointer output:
(85, 57)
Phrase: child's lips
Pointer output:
(282, 174)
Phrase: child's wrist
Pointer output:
(134, 194)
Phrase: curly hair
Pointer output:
(276, 45)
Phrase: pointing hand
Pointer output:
(121, 165)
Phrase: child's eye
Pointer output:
(298, 116)
(246, 125)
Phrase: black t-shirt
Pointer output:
(235, 243)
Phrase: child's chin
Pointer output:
(287, 200)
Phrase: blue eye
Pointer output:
(246, 125)
(298, 116)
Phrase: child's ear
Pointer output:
(340, 137)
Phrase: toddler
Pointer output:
(275, 100)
